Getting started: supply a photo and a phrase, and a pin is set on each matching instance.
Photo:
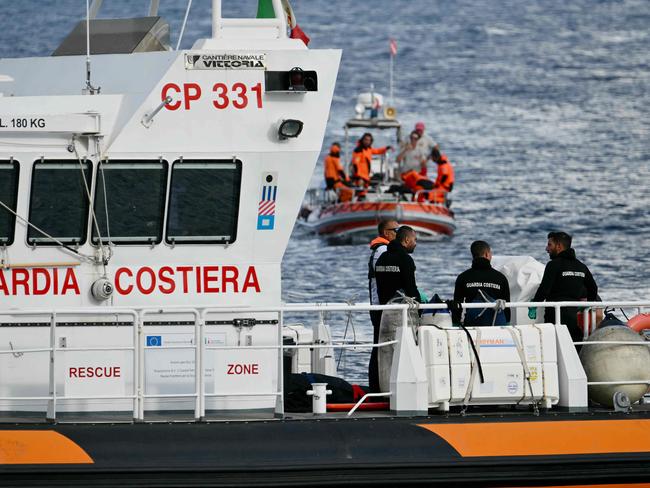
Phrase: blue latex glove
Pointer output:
(423, 298)
(532, 313)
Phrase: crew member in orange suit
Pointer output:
(445, 180)
(361, 158)
(335, 177)
(416, 184)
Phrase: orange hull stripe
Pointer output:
(39, 447)
(546, 438)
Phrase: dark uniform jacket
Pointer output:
(482, 276)
(566, 279)
(395, 270)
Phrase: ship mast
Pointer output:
(218, 22)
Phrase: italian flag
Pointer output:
(265, 11)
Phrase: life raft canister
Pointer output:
(639, 322)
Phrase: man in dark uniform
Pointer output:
(395, 269)
(387, 231)
(482, 283)
(394, 272)
(565, 279)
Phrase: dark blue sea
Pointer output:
(542, 106)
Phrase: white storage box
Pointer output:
(449, 361)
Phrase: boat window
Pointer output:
(58, 202)
(135, 199)
(8, 196)
(204, 202)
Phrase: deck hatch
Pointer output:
(135, 198)
(59, 202)
(204, 201)
(8, 195)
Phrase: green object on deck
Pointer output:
(265, 9)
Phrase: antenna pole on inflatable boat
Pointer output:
(392, 100)
(392, 44)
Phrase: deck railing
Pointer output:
(320, 196)
(200, 317)
(222, 25)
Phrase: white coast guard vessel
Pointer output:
(169, 178)
(144, 212)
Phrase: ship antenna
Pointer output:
(90, 89)
(187, 13)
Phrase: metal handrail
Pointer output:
(137, 318)
(53, 349)
(315, 307)
(363, 399)
(356, 345)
